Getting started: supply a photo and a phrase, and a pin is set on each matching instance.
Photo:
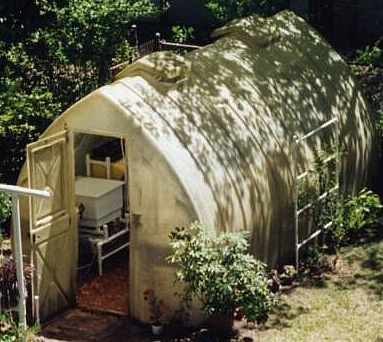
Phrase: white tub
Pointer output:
(101, 200)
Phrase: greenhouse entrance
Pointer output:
(103, 225)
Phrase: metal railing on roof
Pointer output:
(153, 45)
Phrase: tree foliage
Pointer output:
(52, 53)
(226, 10)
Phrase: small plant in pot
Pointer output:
(221, 274)
(156, 311)
(288, 275)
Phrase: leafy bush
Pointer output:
(10, 331)
(356, 217)
(224, 10)
(8, 281)
(370, 56)
(182, 34)
(220, 273)
(24, 116)
(5, 207)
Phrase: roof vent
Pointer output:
(164, 66)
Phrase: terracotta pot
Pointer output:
(221, 324)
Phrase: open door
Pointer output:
(53, 232)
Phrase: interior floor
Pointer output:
(108, 292)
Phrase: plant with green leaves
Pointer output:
(11, 331)
(8, 281)
(182, 34)
(357, 217)
(5, 213)
(220, 273)
(226, 10)
(370, 56)
(5, 207)
(24, 115)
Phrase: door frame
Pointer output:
(126, 192)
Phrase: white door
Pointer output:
(53, 230)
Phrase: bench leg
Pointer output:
(99, 258)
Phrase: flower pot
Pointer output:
(157, 329)
(221, 324)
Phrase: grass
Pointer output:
(344, 305)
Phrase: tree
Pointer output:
(52, 53)
(226, 10)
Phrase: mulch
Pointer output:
(108, 293)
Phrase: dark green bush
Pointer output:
(8, 281)
(357, 217)
(220, 273)
(11, 331)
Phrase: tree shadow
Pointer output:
(366, 264)
(235, 107)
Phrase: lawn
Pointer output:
(343, 305)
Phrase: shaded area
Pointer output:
(234, 107)
(366, 261)
(78, 325)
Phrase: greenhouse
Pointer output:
(207, 136)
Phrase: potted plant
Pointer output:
(221, 274)
(156, 311)
(288, 275)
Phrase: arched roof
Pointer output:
(224, 117)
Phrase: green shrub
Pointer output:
(357, 217)
(8, 281)
(220, 273)
(182, 34)
(370, 56)
(224, 11)
(5, 207)
(10, 331)
(24, 116)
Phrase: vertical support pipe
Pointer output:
(37, 309)
(16, 191)
(19, 261)
(133, 36)
(99, 258)
(295, 199)
(337, 151)
(157, 42)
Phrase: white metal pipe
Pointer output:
(37, 309)
(312, 236)
(14, 189)
(19, 261)
(295, 198)
(318, 129)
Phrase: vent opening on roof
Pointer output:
(163, 66)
